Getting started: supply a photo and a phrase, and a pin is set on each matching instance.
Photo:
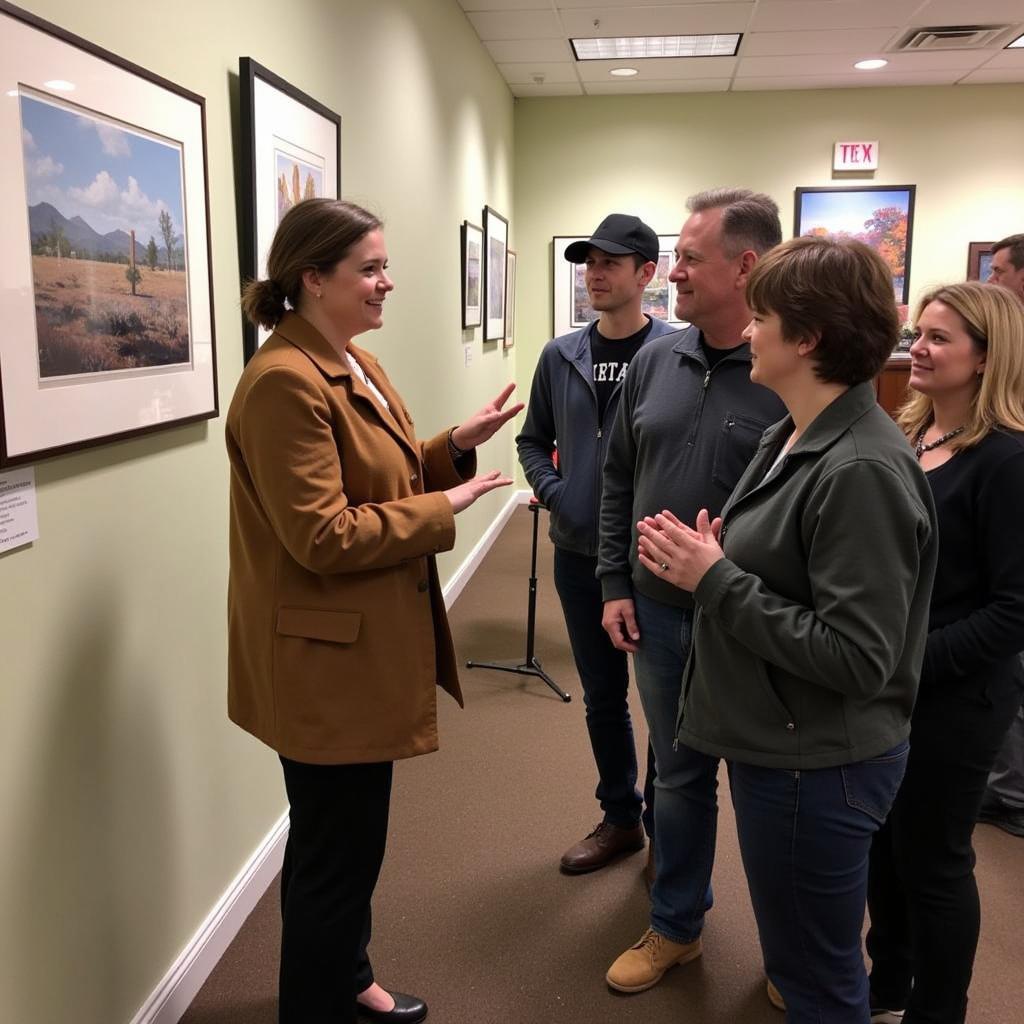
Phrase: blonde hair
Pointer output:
(994, 318)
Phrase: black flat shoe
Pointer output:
(408, 1010)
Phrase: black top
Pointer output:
(715, 355)
(611, 357)
(976, 626)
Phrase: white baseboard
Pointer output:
(195, 963)
(173, 996)
(471, 563)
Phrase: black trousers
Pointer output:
(336, 839)
(922, 895)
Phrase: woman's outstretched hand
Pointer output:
(466, 493)
(483, 425)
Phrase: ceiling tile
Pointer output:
(555, 74)
(1006, 59)
(660, 68)
(759, 67)
(632, 86)
(509, 51)
(555, 89)
(650, 21)
(505, 5)
(797, 15)
(977, 12)
(993, 76)
(769, 44)
(516, 25)
(840, 81)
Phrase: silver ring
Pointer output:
(664, 566)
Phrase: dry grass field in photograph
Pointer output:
(88, 321)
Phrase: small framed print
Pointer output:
(472, 271)
(495, 267)
(291, 150)
(571, 305)
(510, 301)
(979, 260)
(107, 297)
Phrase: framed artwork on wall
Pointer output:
(979, 260)
(472, 269)
(495, 266)
(107, 297)
(291, 150)
(570, 305)
(510, 301)
(880, 215)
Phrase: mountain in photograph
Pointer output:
(44, 219)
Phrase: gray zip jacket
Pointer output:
(563, 408)
(810, 633)
(682, 438)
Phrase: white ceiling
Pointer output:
(787, 44)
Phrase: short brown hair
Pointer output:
(314, 234)
(1015, 243)
(750, 220)
(835, 290)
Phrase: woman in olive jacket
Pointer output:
(812, 595)
(337, 635)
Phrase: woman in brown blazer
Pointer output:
(336, 625)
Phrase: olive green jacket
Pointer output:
(810, 633)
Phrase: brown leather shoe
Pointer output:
(601, 847)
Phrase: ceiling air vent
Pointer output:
(952, 37)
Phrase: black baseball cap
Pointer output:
(618, 234)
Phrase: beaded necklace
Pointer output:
(920, 447)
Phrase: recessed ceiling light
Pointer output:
(12, 92)
(60, 85)
(1017, 44)
(640, 47)
(623, 72)
(870, 65)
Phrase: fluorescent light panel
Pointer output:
(1017, 44)
(639, 47)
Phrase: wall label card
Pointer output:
(19, 524)
(855, 156)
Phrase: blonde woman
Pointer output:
(965, 420)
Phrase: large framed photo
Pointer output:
(880, 215)
(979, 260)
(510, 301)
(472, 267)
(495, 267)
(571, 305)
(105, 285)
(291, 150)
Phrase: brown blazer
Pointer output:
(337, 634)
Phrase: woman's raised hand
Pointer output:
(488, 421)
(466, 493)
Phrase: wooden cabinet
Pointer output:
(891, 383)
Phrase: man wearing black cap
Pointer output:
(572, 403)
(689, 421)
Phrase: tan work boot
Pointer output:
(642, 966)
(775, 996)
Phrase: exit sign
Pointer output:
(855, 156)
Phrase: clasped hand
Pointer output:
(483, 425)
(676, 552)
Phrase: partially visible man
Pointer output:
(1007, 267)
(688, 423)
(574, 397)
(1004, 797)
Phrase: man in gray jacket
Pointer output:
(688, 423)
(574, 397)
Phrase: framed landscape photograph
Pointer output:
(291, 150)
(495, 266)
(979, 260)
(472, 238)
(880, 215)
(510, 301)
(570, 305)
(105, 255)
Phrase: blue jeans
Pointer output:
(604, 675)
(805, 837)
(685, 802)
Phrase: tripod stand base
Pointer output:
(528, 668)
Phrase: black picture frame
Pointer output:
(495, 269)
(131, 350)
(472, 242)
(279, 122)
(836, 209)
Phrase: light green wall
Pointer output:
(129, 801)
(577, 159)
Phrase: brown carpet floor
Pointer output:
(471, 911)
